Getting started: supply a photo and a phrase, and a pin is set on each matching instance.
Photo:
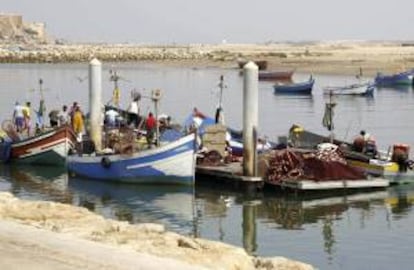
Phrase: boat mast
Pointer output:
(156, 96)
(219, 110)
(115, 78)
(331, 105)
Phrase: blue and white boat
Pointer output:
(304, 88)
(357, 89)
(171, 163)
(402, 78)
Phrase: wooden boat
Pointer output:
(304, 88)
(47, 148)
(359, 89)
(171, 163)
(402, 78)
(382, 165)
(261, 64)
(275, 75)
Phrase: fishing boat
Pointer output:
(358, 89)
(304, 88)
(46, 148)
(276, 75)
(170, 163)
(127, 161)
(384, 164)
(402, 78)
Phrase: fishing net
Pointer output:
(325, 164)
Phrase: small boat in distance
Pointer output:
(402, 78)
(276, 75)
(357, 89)
(301, 88)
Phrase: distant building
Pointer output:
(14, 29)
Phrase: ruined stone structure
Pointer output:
(14, 29)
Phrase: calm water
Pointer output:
(361, 231)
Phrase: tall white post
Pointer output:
(95, 101)
(250, 118)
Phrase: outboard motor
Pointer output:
(400, 156)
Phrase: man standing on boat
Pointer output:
(150, 126)
(133, 112)
(63, 116)
(78, 123)
(18, 117)
(27, 118)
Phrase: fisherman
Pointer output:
(133, 113)
(27, 118)
(78, 122)
(40, 113)
(111, 117)
(72, 110)
(63, 116)
(150, 126)
(18, 117)
(365, 143)
(54, 118)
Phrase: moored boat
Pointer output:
(402, 78)
(304, 88)
(171, 163)
(275, 75)
(47, 148)
(384, 164)
(358, 89)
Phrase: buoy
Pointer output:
(106, 162)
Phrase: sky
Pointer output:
(217, 21)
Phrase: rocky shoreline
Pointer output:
(319, 57)
(139, 244)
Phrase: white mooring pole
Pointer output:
(250, 118)
(95, 101)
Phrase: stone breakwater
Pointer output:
(78, 223)
(322, 57)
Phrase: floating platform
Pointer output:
(334, 184)
(232, 171)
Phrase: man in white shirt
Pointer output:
(133, 112)
(111, 117)
(18, 117)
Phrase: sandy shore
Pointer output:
(339, 57)
(47, 235)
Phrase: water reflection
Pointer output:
(168, 205)
(333, 226)
(48, 183)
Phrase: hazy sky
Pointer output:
(236, 21)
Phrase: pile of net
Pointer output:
(325, 164)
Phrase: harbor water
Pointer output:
(370, 230)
